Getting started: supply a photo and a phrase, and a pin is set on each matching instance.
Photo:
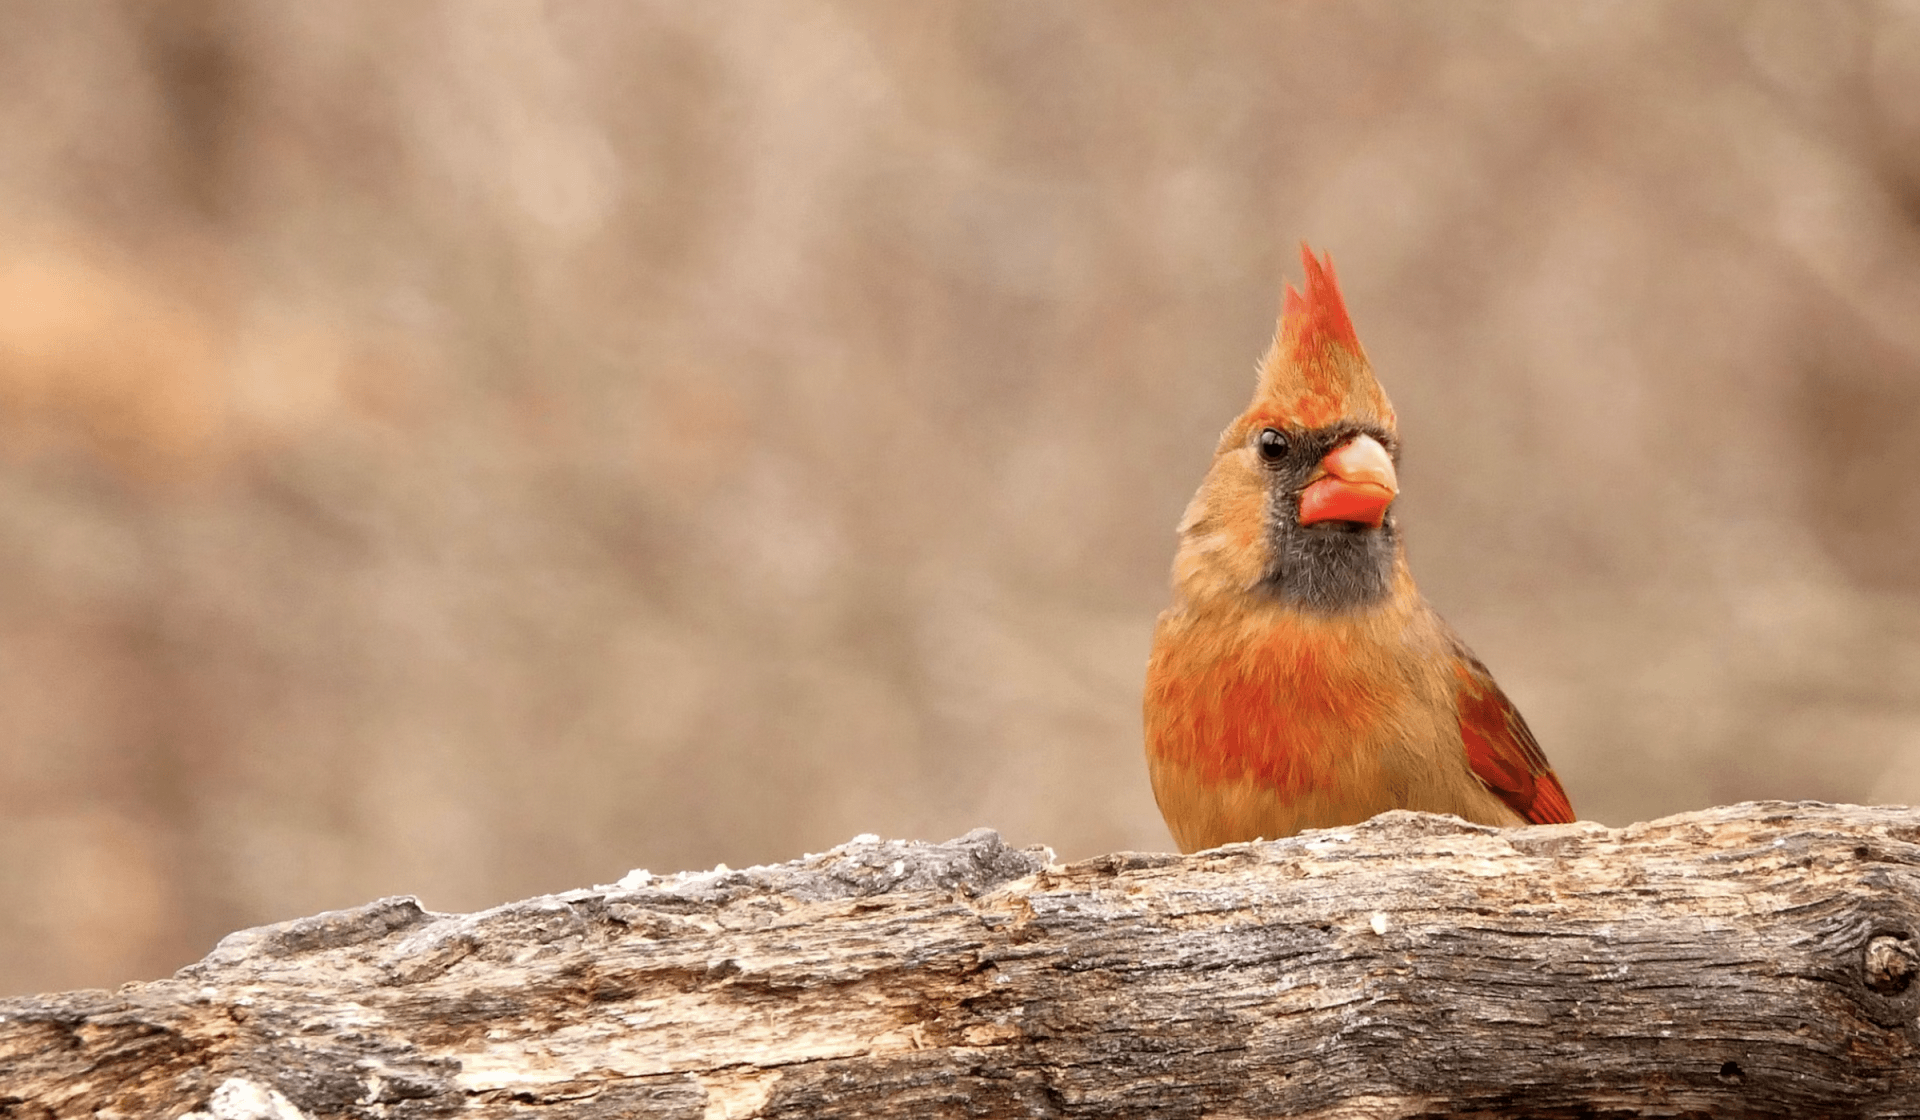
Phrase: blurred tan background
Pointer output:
(474, 449)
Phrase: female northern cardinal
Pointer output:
(1299, 680)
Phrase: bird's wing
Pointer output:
(1501, 749)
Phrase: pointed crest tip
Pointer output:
(1318, 317)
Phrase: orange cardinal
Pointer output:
(1299, 680)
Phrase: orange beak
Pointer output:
(1355, 482)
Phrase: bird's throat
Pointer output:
(1331, 567)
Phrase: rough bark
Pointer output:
(1751, 960)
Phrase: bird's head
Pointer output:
(1298, 505)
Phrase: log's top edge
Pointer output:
(977, 864)
(863, 867)
(1400, 831)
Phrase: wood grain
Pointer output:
(1753, 960)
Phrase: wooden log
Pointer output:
(1753, 960)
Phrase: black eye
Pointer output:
(1273, 445)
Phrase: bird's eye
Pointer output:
(1273, 445)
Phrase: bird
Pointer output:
(1299, 679)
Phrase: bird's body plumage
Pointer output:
(1299, 680)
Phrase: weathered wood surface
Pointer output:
(1752, 960)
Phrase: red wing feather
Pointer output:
(1501, 749)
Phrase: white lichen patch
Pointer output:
(237, 1098)
(736, 1094)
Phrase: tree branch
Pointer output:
(1757, 960)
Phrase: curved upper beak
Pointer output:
(1355, 482)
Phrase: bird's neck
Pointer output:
(1323, 598)
(1255, 617)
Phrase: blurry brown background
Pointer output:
(474, 449)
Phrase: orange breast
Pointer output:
(1284, 709)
